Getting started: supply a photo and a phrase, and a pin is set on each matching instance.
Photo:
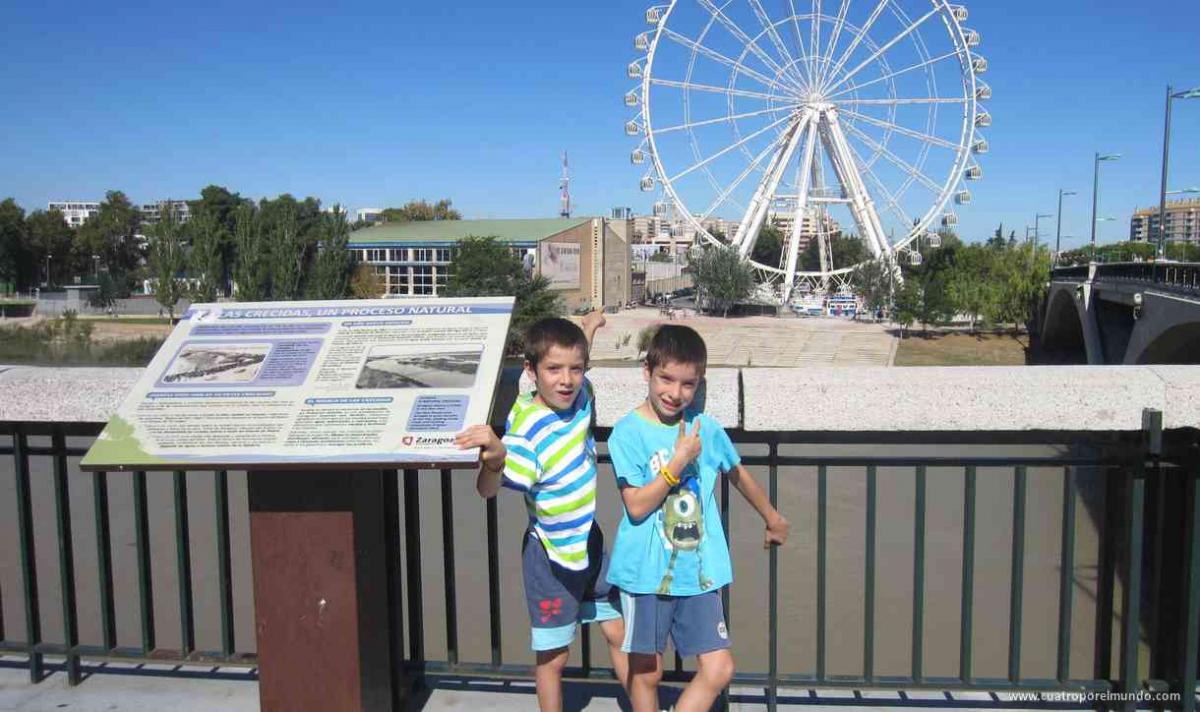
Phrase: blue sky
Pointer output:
(371, 104)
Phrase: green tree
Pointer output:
(16, 260)
(366, 283)
(768, 249)
(111, 234)
(204, 260)
(222, 205)
(844, 250)
(972, 286)
(106, 292)
(333, 264)
(166, 259)
(415, 210)
(280, 227)
(50, 236)
(252, 271)
(722, 277)
(908, 303)
(874, 281)
(485, 267)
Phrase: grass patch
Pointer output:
(962, 349)
(68, 341)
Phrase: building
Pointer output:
(152, 212)
(585, 259)
(76, 212)
(1182, 218)
(369, 215)
(785, 221)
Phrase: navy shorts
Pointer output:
(696, 624)
(559, 598)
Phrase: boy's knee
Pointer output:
(645, 668)
(718, 668)
(552, 660)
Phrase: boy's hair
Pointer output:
(675, 342)
(552, 331)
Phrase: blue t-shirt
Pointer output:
(678, 549)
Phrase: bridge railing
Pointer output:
(1139, 485)
(1172, 276)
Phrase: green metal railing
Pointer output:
(1135, 552)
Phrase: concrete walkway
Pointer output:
(114, 687)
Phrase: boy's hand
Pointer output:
(491, 450)
(593, 321)
(687, 445)
(777, 531)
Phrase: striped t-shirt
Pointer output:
(552, 460)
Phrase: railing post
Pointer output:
(33, 618)
(1189, 639)
(1131, 600)
(773, 591)
(66, 556)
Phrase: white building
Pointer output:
(76, 212)
(152, 212)
(370, 215)
(785, 221)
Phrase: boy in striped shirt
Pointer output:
(548, 453)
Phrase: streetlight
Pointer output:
(1096, 191)
(96, 264)
(1183, 191)
(1037, 220)
(1058, 230)
(1162, 195)
(47, 269)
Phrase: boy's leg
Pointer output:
(645, 672)
(647, 623)
(698, 628)
(714, 671)
(614, 634)
(548, 673)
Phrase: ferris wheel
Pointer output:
(855, 119)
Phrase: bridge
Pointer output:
(1123, 313)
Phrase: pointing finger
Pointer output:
(696, 430)
(682, 428)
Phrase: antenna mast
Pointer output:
(564, 185)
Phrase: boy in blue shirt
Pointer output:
(671, 559)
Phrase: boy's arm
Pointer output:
(591, 324)
(492, 454)
(745, 484)
(641, 501)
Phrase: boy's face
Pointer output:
(672, 388)
(558, 376)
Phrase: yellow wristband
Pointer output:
(670, 477)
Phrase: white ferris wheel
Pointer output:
(824, 120)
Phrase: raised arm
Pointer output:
(641, 501)
(591, 324)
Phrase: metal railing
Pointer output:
(1182, 277)
(1135, 555)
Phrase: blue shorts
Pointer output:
(559, 598)
(696, 624)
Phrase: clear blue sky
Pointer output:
(371, 104)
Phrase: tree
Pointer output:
(844, 251)
(16, 262)
(907, 304)
(415, 210)
(50, 236)
(222, 206)
(106, 293)
(252, 271)
(166, 258)
(768, 249)
(280, 226)
(972, 287)
(484, 267)
(333, 264)
(111, 235)
(205, 259)
(722, 277)
(874, 282)
(366, 282)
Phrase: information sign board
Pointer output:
(559, 264)
(294, 384)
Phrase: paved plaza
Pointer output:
(757, 340)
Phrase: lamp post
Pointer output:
(1058, 229)
(1037, 233)
(96, 266)
(1162, 194)
(47, 269)
(1096, 191)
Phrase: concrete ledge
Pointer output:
(994, 398)
(1019, 398)
(620, 390)
(63, 394)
